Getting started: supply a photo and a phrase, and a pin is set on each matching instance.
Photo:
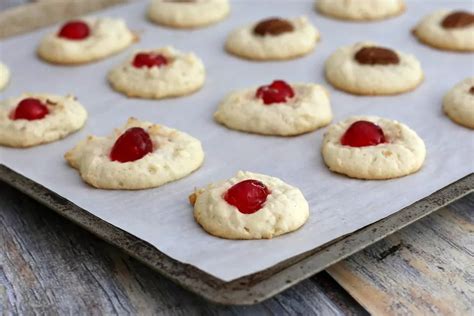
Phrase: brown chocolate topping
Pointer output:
(458, 19)
(376, 56)
(273, 26)
(471, 91)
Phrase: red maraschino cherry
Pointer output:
(74, 30)
(149, 60)
(132, 145)
(248, 196)
(277, 92)
(30, 109)
(363, 133)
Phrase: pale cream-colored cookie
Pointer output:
(368, 69)
(366, 10)
(65, 115)
(273, 39)
(4, 76)
(447, 30)
(174, 155)
(401, 152)
(181, 74)
(458, 103)
(106, 36)
(188, 13)
(308, 110)
(277, 208)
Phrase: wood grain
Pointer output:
(50, 266)
(427, 268)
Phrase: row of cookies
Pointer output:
(91, 39)
(143, 155)
(279, 109)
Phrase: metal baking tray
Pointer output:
(256, 287)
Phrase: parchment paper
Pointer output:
(339, 205)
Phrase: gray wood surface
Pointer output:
(425, 269)
(50, 266)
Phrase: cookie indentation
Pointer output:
(458, 19)
(273, 26)
(376, 56)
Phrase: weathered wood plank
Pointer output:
(427, 268)
(50, 266)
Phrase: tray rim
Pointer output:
(255, 287)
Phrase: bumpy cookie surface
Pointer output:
(458, 103)
(367, 69)
(175, 155)
(107, 37)
(188, 13)
(273, 39)
(447, 30)
(183, 74)
(284, 210)
(4, 76)
(402, 154)
(308, 110)
(365, 10)
(65, 116)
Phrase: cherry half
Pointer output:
(248, 196)
(30, 109)
(277, 92)
(132, 145)
(363, 133)
(149, 60)
(74, 30)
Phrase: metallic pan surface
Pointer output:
(258, 286)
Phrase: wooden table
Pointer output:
(50, 266)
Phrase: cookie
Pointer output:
(458, 103)
(4, 76)
(33, 119)
(140, 155)
(188, 13)
(273, 39)
(276, 109)
(159, 73)
(447, 30)
(249, 206)
(369, 147)
(368, 69)
(86, 40)
(356, 10)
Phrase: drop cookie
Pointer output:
(276, 109)
(273, 39)
(369, 147)
(4, 76)
(366, 10)
(458, 103)
(140, 155)
(249, 206)
(368, 69)
(86, 40)
(34, 119)
(447, 30)
(159, 73)
(188, 13)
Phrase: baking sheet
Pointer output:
(339, 205)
